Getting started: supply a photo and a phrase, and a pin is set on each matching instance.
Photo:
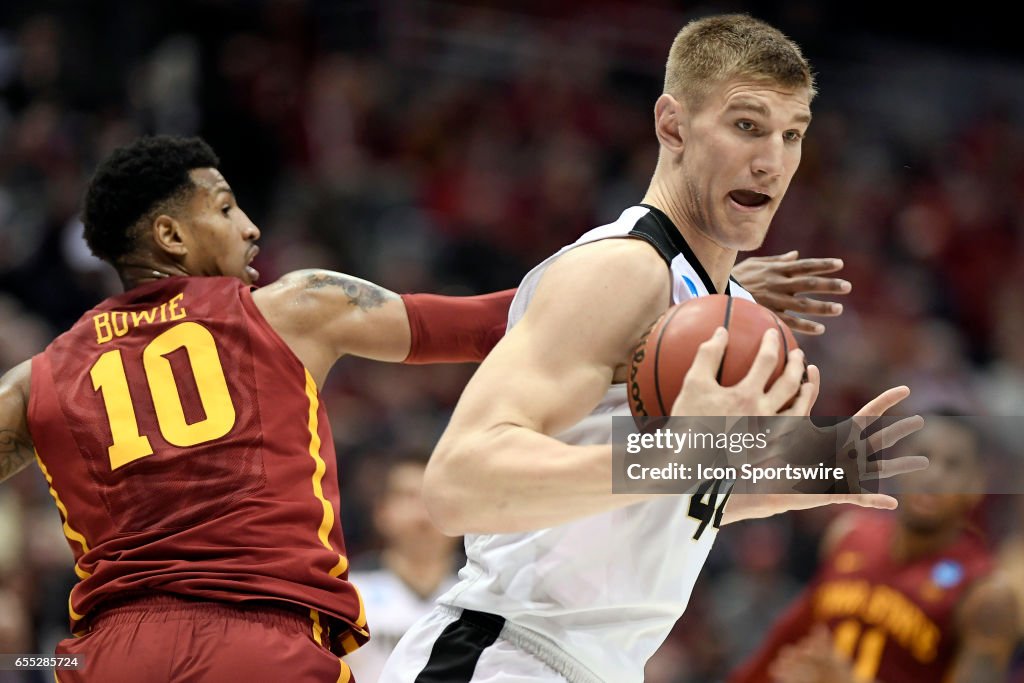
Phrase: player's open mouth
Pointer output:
(749, 199)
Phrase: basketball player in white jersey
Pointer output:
(565, 581)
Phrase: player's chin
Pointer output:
(746, 235)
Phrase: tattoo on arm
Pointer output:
(361, 293)
(15, 453)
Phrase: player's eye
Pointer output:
(793, 136)
(745, 125)
(225, 209)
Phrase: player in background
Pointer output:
(564, 580)
(905, 597)
(180, 429)
(184, 441)
(416, 565)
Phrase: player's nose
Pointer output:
(250, 232)
(769, 160)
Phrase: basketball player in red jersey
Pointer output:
(181, 432)
(180, 428)
(905, 597)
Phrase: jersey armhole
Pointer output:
(245, 296)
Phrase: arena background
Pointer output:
(447, 147)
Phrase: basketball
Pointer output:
(663, 356)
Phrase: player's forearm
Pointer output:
(455, 329)
(16, 450)
(516, 480)
(746, 506)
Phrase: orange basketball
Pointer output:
(664, 355)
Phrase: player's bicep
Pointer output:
(323, 315)
(554, 366)
(16, 450)
(525, 382)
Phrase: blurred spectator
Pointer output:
(416, 564)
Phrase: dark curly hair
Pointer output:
(132, 182)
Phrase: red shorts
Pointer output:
(168, 639)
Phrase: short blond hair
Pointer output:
(710, 51)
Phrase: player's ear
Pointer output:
(169, 235)
(668, 123)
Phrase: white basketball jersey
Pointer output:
(595, 598)
(391, 609)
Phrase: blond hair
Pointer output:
(710, 51)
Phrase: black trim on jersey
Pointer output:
(457, 650)
(725, 324)
(659, 230)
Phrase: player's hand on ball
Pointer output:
(793, 393)
(780, 283)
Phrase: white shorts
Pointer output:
(447, 646)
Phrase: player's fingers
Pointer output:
(877, 406)
(806, 306)
(814, 266)
(864, 500)
(788, 256)
(800, 325)
(808, 394)
(882, 469)
(764, 362)
(709, 355)
(892, 434)
(815, 284)
(789, 382)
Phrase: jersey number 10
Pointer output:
(108, 377)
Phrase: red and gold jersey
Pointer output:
(894, 620)
(188, 452)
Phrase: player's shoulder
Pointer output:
(631, 266)
(17, 381)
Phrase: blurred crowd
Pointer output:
(448, 147)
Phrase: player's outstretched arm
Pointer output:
(988, 628)
(16, 450)
(780, 283)
(323, 315)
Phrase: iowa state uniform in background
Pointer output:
(895, 621)
(189, 454)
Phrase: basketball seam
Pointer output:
(782, 333)
(657, 358)
(725, 323)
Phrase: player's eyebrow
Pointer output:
(223, 188)
(762, 110)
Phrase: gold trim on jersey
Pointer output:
(318, 475)
(327, 523)
(318, 630)
(345, 675)
(71, 534)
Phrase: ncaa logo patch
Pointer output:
(690, 286)
(947, 573)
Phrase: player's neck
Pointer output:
(716, 260)
(135, 272)
(423, 574)
(908, 545)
